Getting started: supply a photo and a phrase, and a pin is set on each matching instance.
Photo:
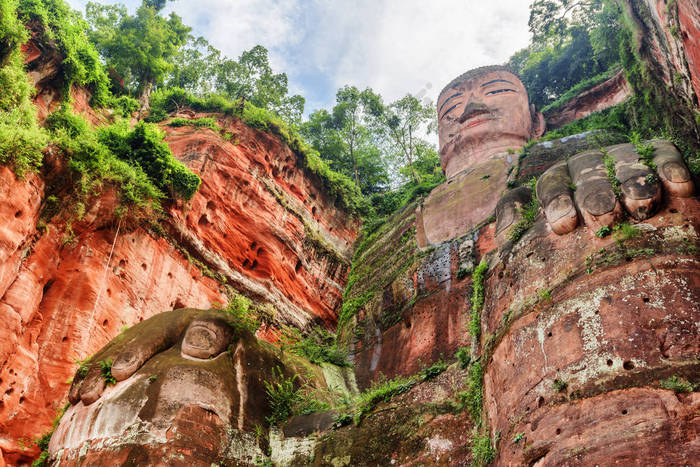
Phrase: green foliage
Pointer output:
(579, 88)
(106, 368)
(559, 385)
(383, 390)
(463, 356)
(609, 162)
(240, 314)
(545, 295)
(139, 47)
(430, 372)
(477, 298)
(529, 213)
(21, 139)
(625, 231)
(81, 64)
(483, 451)
(124, 106)
(206, 122)
(144, 146)
(353, 304)
(676, 384)
(518, 437)
(321, 346)
(83, 367)
(282, 395)
(604, 231)
(473, 397)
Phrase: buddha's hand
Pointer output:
(598, 184)
(200, 335)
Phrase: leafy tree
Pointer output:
(346, 141)
(251, 78)
(195, 66)
(400, 125)
(139, 48)
(572, 42)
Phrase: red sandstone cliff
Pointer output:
(259, 223)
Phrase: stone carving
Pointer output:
(178, 374)
(484, 119)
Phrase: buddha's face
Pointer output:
(481, 115)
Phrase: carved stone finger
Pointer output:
(137, 352)
(671, 169)
(594, 195)
(93, 386)
(554, 194)
(641, 193)
(508, 211)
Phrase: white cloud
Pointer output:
(394, 46)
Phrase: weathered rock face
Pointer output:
(263, 223)
(582, 330)
(668, 36)
(607, 94)
(259, 221)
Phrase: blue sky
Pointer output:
(395, 47)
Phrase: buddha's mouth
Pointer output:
(477, 121)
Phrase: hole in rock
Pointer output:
(260, 251)
(500, 275)
(624, 412)
(558, 431)
(170, 275)
(540, 401)
(109, 292)
(597, 312)
(254, 265)
(18, 213)
(122, 263)
(9, 391)
(549, 334)
(178, 304)
(203, 220)
(645, 299)
(246, 263)
(48, 285)
(253, 245)
(673, 210)
(21, 400)
(210, 205)
(143, 266)
(297, 268)
(610, 362)
(628, 365)
(64, 339)
(313, 210)
(104, 323)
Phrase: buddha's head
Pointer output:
(481, 113)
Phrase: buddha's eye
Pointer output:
(499, 91)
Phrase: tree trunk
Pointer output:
(145, 99)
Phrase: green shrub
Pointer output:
(124, 105)
(559, 385)
(433, 370)
(676, 384)
(66, 27)
(282, 395)
(463, 357)
(473, 397)
(321, 346)
(483, 452)
(383, 391)
(241, 316)
(477, 298)
(604, 231)
(206, 122)
(106, 367)
(144, 146)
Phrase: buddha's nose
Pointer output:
(474, 107)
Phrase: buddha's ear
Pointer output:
(538, 123)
